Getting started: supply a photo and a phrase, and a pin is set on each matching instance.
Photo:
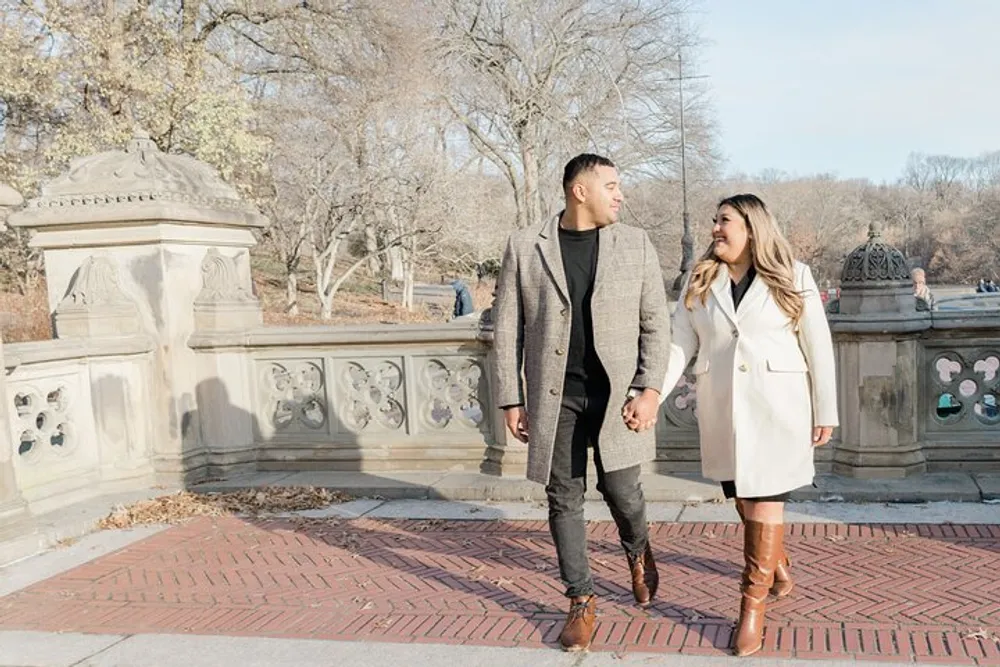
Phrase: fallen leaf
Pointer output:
(184, 505)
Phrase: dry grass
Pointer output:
(185, 505)
(25, 317)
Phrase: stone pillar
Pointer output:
(11, 502)
(876, 328)
(505, 455)
(138, 242)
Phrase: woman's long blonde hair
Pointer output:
(771, 254)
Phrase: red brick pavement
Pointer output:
(929, 593)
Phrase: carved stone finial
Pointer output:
(96, 284)
(225, 303)
(95, 303)
(875, 261)
(221, 280)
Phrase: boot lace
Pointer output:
(577, 610)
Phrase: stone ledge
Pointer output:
(932, 487)
(67, 349)
(29, 535)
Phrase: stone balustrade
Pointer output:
(163, 371)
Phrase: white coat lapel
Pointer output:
(752, 299)
(723, 293)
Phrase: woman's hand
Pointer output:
(822, 435)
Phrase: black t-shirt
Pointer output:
(740, 288)
(585, 375)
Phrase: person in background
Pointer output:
(920, 289)
(463, 299)
(767, 393)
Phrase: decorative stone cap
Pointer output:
(9, 197)
(874, 262)
(141, 183)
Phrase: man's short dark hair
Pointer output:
(581, 163)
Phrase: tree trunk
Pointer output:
(532, 197)
(292, 292)
(374, 264)
(407, 279)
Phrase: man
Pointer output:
(920, 289)
(581, 308)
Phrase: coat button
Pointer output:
(560, 351)
(736, 334)
(554, 392)
(743, 368)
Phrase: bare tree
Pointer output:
(532, 82)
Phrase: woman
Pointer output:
(765, 383)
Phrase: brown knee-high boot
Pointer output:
(761, 549)
(783, 583)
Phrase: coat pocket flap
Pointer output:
(787, 365)
(700, 366)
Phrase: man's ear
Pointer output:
(579, 191)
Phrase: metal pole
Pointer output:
(687, 240)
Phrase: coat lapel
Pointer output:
(548, 246)
(751, 300)
(608, 238)
(723, 293)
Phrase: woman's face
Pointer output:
(730, 235)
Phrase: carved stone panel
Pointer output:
(371, 395)
(42, 422)
(964, 390)
(681, 406)
(450, 391)
(293, 395)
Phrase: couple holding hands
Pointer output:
(584, 356)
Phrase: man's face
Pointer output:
(602, 194)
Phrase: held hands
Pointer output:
(640, 412)
(516, 419)
(822, 435)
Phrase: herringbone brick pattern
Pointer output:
(926, 593)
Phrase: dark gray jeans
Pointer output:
(580, 420)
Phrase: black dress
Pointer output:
(739, 290)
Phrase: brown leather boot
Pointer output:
(783, 583)
(579, 628)
(645, 577)
(761, 551)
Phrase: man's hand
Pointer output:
(640, 412)
(517, 422)
(822, 435)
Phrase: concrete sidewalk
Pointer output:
(42, 649)
(684, 498)
(955, 487)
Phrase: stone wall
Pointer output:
(77, 422)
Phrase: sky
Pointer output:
(850, 87)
